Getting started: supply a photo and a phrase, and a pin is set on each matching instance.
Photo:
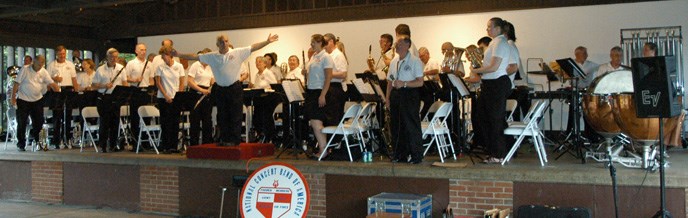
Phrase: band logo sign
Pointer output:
(275, 190)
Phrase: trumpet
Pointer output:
(475, 56)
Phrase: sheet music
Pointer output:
(293, 90)
(363, 88)
(458, 83)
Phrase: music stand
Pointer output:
(185, 101)
(293, 90)
(121, 95)
(551, 77)
(576, 73)
(458, 85)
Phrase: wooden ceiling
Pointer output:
(98, 22)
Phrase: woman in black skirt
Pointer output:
(319, 74)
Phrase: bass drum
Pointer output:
(597, 101)
(644, 130)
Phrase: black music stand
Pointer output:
(458, 85)
(121, 95)
(551, 77)
(576, 73)
(291, 89)
(185, 101)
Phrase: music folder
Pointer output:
(293, 90)
(365, 90)
(122, 93)
(456, 83)
(571, 68)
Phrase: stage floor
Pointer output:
(525, 168)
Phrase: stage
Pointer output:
(172, 184)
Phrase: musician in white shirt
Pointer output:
(169, 80)
(431, 69)
(264, 104)
(108, 76)
(228, 93)
(295, 70)
(616, 55)
(335, 106)
(271, 61)
(200, 79)
(85, 79)
(589, 67)
(28, 98)
(495, 88)
(63, 73)
(403, 100)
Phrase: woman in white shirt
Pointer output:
(200, 79)
(295, 70)
(495, 88)
(271, 63)
(319, 74)
(264, 105)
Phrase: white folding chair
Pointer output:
(152, 128)
(89, 129)
(342, 129)
(11, 126)
(363, 117)
(528, 115)
(511, 105)
(124, 124)
(439, 132)
(433, 109)
(532, 129)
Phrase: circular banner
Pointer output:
(275, 190)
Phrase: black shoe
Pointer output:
(397, 160)
(115, 149)
(174, 151)
(416, 161)
(22, 148)
(103, 149)
(166, 151)
(56, 147)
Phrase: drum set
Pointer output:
(609, 108)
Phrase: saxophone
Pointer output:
(475, 56)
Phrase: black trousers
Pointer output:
(169, 124)
(405, 124)
(108, 109)
(138, 99)
(229, 101)
(201, 120)
(334, 107)
(264, 107)
(491, 111)
(59, 107)
(26, 109)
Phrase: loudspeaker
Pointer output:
(655, 85)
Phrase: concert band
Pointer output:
(217, 79)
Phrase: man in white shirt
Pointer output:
(381, 67)
(109, 76)
(403, 100)
(339, 73)
(139, 73)
(168, 79)
(27, 97)
(63, 72)
(404, 30)
(227, 91)
(616, 55)
(431, 69)
(589, 67)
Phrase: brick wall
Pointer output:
(473, 198)
(47, 182)
(316, 183)
(160, 189)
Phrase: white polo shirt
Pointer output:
(497, 48)
(202, 75)
(316, 69)
(514, 58)
(31, 83)
(105, 74)
(226, 67)
(431, 65)
(340, 63)
(407, 69)
(263, 80)
(65, 70)
(169, 78)
(295, 74)
(134, 68)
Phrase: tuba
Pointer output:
(452, 62)
(475, 56)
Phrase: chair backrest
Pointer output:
(537, 115)
(351, 113)
(433, 109)
(89, 112)
(124, 110)
(439, 119)
(366, 113)
(148, 111)
(348, 104)
(511, 105)
(532, 109)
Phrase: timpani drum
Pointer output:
(644, 130)
(597, 101)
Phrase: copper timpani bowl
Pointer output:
(639, 129)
